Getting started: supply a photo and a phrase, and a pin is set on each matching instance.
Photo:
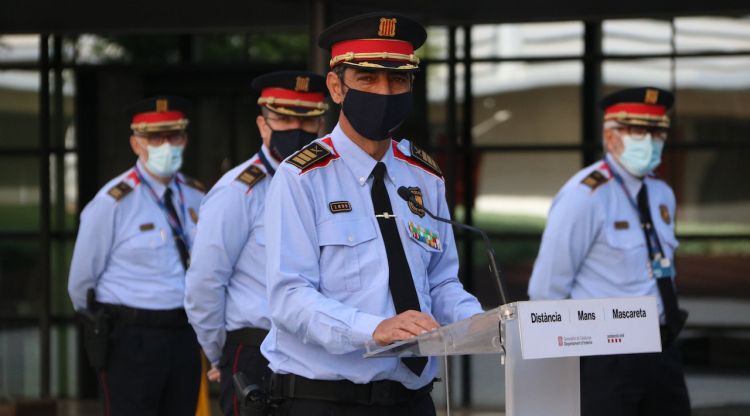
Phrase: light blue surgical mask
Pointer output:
(164, 160)
(640, 157)
(655, 160)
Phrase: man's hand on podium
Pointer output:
(403, 326)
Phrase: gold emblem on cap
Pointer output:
(387, 27)
(303, 84)
(652, 96)
(162, 104)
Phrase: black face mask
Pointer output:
(285, 142)
(376, 116)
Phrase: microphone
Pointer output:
(407, 196)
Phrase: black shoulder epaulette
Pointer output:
(194, 183)
(594, 179)
(424, 159)
(119, 191)
(251, 176)
(309, 156)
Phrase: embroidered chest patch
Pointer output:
(419, 210)
(664, 211)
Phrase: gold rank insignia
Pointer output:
(251, 176)
(162, 105)
(652, 96)
(302, 84)
(309, 156)
(339, 206)
(425, 159)
(622, 225)
(665, 214)
(193, 215)
(418, 198)
(594, 180)
(120, 190)
(387, 27)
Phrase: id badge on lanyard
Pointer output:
(662, 268)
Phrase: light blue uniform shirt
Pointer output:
(125, 248)
(594, 246)
(226, 285)
(327, 268)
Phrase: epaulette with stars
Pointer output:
(416, 157)
(312, 156)
(426, 160)
(251, 176)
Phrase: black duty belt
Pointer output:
(167, 318)
(379, 393)
(248, 336)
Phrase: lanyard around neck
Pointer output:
(654, 245)
(173, 222)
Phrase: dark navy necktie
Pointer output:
(177, 234)
(399, 275)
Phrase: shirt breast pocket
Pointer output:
(346, 253)
(146, 248)
(628, 254)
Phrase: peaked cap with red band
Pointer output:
(644, 106)
(380, 40)
(292, 93)
(159, 114)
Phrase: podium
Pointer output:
(540, 343)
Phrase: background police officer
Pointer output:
(610, 233)
(226, 286)
(349, 261)
(133, 248)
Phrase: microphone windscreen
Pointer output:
(404, 193)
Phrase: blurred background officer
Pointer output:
(348, 260)
(610, 233)
(226, 285)
(133, 248)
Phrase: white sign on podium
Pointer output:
(540, 342)
(551, 329)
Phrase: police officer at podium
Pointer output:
(348, 261)
(226, 285)
(610, 233)
(127, 275)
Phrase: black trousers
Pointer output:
(634, 385)
(418, 406)
(246, 358)
(151, 371)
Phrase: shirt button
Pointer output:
(362, 179)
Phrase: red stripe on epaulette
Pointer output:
(133, 176)
(398, 154)
(325, 162)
